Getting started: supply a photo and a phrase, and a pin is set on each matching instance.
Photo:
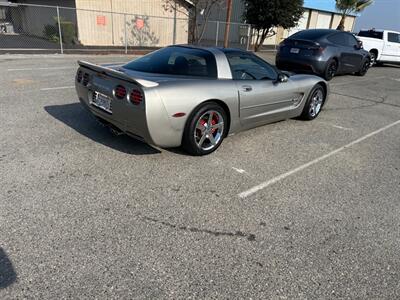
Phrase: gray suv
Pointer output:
(324, 52)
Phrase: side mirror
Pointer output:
(359, 45)
(282, 78)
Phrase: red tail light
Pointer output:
(319, 50)
(136, 97)
(120, 92)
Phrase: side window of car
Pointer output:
(351, 40)
(393, 37)
(186, 64)
(249, 67)
(338, 39)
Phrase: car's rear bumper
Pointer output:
(119, 118)
(300, 64)
(148, 121)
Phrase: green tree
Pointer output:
(264, 15)
(350, 6)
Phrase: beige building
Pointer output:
(146, 23)
(314, 19)
(105, 22)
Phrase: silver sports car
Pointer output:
(194, 97)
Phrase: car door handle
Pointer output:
(246, 88)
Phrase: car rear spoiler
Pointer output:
(117, 74)
(303, 42)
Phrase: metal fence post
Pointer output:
(217, 35)
(59, 30)
(248, 37)
(174, 31)
(126, 35)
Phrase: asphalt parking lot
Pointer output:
(291, 210)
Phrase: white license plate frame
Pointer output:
(102, 101)
(295, 50)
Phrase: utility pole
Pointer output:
(228, 22)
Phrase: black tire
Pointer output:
(191, 132)
(364, 67)
(307, 113)
(331, 69)
(372, 56)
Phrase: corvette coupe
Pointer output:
(194, 97)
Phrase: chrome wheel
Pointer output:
(209, 130)
(316, 103)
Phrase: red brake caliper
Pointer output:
(202, 123)
(213, 122)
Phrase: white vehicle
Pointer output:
(383, 45)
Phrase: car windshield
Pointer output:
(311, 35)
(371, 34)
(177, 61)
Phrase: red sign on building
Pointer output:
(101, 20)
(139, 23)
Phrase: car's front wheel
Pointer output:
(314, 103)
(205, 129)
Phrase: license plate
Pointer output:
(102, 101)
(294, 50)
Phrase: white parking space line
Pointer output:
(241, 171)
(47, 68)
(340, 127)
(267, 183)
(336, 126)
(57, 88)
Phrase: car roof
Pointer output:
(321, 31)
(373, 29)
(315, 34)
(380, 30)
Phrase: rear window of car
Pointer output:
(371, 34)
(177, 61)
(310, 35)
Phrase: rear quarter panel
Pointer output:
(184, 97)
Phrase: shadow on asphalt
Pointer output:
(7, 273)
(76, 117)
(387, 65)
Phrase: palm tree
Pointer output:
(350, 6)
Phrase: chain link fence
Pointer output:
(214, 34)
(53, 29)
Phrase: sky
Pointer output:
(382, 14)
(328, 5)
